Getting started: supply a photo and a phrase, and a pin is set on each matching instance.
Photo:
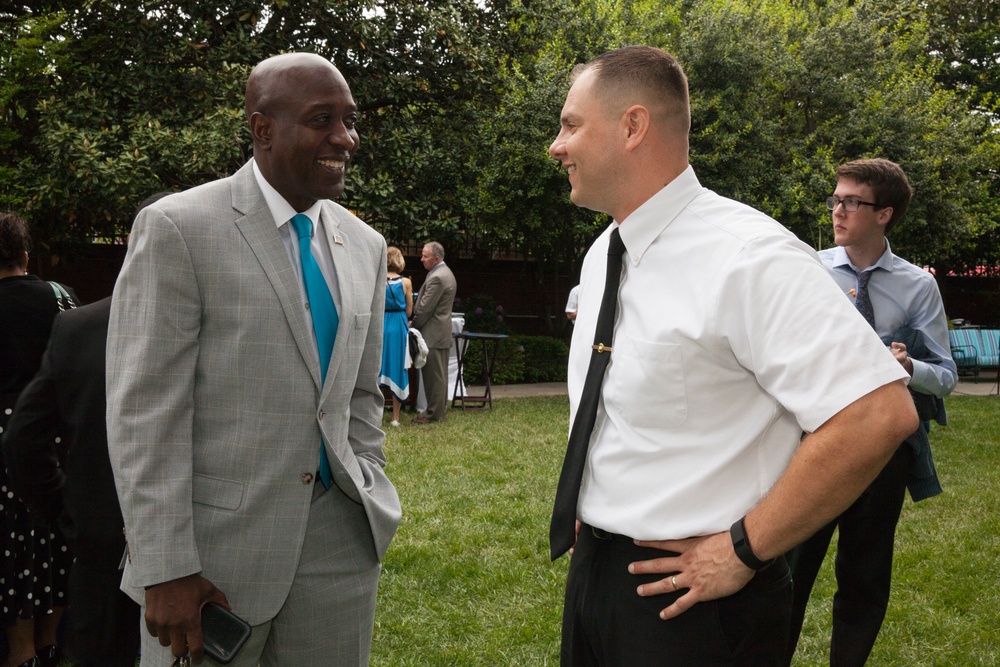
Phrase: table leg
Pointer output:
(458, 396)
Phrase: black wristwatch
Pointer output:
(741, 545)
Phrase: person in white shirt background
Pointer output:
(573, 303)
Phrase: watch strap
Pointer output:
(741, 545)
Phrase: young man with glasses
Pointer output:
(902, 303)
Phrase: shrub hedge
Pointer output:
(519, 359)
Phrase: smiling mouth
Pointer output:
(336, 165)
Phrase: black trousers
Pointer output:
(606, 623)
(863, 566)
(102, 623)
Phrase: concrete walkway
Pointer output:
(987, 385)
(522, 390)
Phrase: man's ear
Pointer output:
(884, 216)
(260, 129)
(636, 124)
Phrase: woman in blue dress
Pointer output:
(398, 308)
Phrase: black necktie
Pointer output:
(562, 532)
(862, 301)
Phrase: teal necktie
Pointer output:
(324, 316)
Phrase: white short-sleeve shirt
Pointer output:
(731, 339)
(573, 302)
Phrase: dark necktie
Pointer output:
(862, 301)
(562, 531)
(324, 316)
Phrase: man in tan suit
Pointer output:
(432, 317)
(250, 474)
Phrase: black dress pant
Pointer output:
(606, 623)
(102, 623)
(863, 566)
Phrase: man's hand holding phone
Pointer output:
(173, 613)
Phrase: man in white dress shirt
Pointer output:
(730, 341)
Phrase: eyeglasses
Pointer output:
(851, 204)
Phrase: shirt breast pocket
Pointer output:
(647, 383)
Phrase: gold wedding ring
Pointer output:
(673, 581)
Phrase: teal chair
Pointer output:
(989, 349)
(965, 345)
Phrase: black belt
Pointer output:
(605, 536)
(602, 534)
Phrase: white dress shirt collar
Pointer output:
(841, 258)
(648, 221)
(280, 209)
(282, 212)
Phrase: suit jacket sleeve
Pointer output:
(430, 294)
(29, 444)
(151, 355)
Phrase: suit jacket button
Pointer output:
(322, 414)
(307, 478)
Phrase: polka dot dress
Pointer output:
(34, 558)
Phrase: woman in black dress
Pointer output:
(34, 560)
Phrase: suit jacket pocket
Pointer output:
(223, 493)
(361, 320)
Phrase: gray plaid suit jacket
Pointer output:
(215, 407)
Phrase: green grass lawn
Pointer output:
(468, 580)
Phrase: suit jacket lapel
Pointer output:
(256, 224)
(339, 242)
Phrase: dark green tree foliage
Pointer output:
(813, 87)
(519, 199)
(965, 36)
(106, 102)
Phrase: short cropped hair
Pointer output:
(15, 240)
(436, 249)
(888, 182)
(642, 75)
(394, 259)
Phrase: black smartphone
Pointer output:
(223, 632)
